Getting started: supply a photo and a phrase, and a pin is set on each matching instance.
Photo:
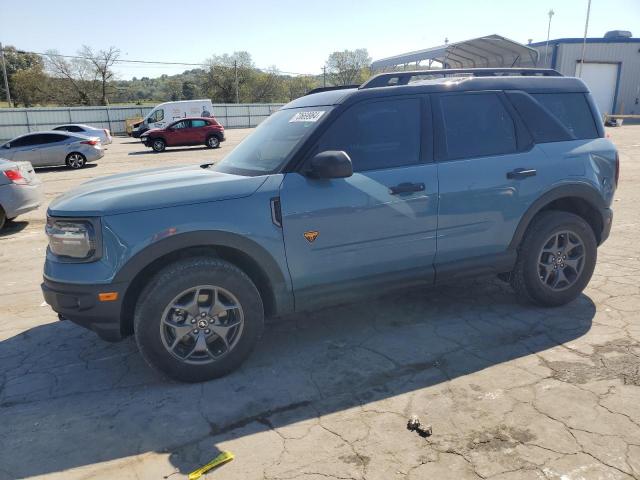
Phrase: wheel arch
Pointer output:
(244, 253)
(579, 199)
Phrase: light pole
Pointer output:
(546, 47)
(584, 39)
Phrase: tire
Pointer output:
(3, 218)
(213, 142)
(76, 160)
(544, 277)
(166, 348)
(158, 145)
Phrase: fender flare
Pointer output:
(575, 190)
(282, 294)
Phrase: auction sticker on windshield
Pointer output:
(307, 116)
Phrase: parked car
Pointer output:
(168, 112)
(188, 131)
(104, 134)
(20, 190)
(47, 149)
(340, 194)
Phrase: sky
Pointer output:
(295, 36)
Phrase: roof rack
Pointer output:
(403, 78)
(327, 89)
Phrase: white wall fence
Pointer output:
(17, 121)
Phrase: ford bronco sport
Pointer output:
(407, 180)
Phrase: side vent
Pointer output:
(276, 212)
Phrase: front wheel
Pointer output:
(75, 161)
(198, 319)
(158, 145)
(555, 260)
(213, 142)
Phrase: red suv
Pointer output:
(186, 131)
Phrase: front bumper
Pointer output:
(20, 199)
(80, 304)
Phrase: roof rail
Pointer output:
(327, 89)
(404, 77)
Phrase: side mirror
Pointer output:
(330, 164)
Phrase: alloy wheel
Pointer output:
(561, 260)
(75, 160)
(202, 324)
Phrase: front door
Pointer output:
(178, 133)
(25, 149)
(376, 228)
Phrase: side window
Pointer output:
(24, 141)
(157, 116)
(477, 125)
(572, 110)
(75, 128)
(181, 124)
(377, 134)
(50, 138)
(198, 123)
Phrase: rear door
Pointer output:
(199, 131)
(489, 172)
(53, 148)
(378, 227)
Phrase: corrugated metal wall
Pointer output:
(17, 121)
(568, 56)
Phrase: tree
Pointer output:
(76, 74)
(17, 61)
(189, 90)
(30, 86)
(101, 61)
(299, 86)
(349, 66)
(220, 80)
(267, 86)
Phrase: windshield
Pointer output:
(270, 146)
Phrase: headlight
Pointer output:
(71, 238)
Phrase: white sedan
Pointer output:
(87, 130)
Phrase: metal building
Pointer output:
(488, 51)
(611, 68)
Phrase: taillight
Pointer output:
(15, 176)
(91, 142)
(617, 168)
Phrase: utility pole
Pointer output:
(4, 73)
(546, 47)
(584, 40)
(235, 68)
(324, 76)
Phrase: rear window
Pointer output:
(477, 125)
(572, 110)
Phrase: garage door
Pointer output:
(601, 78)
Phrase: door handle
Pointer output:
(406, 188)
(520, 173)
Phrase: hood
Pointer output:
(152, 189)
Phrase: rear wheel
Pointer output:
(213, 142)
(76, 160)
(3, 218)
(158, 145)
(555, 260)
(198, 319)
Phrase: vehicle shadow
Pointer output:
(13, 227)
(63, 168)
(70, 400)
(171, 149)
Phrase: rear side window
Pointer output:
(572, 110)
(198, 123)
(51, 138)
(377, 134)
(477, 125)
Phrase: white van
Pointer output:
(165, 113)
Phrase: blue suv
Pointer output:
(414, 178)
